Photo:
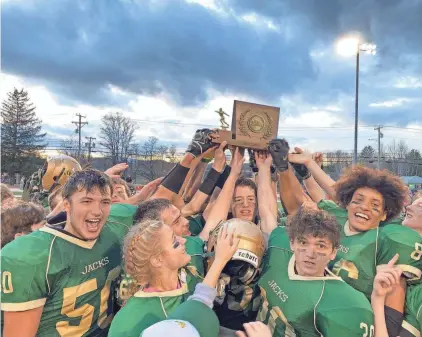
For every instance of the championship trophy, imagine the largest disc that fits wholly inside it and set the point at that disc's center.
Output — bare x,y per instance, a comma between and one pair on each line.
253,125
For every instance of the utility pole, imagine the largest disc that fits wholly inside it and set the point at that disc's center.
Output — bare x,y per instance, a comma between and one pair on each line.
355,148
90,145
380,135
79,124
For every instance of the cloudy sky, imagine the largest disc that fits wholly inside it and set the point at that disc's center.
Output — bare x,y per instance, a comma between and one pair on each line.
169,64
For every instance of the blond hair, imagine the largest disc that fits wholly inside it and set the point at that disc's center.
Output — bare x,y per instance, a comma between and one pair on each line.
142,243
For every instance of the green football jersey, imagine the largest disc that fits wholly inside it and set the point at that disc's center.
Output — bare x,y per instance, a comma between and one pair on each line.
122,213
196,224
294,305
144,309
412,322
360,253
71,279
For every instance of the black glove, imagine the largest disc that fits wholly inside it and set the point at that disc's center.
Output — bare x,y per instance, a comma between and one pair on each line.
201,142
252,161
279,149
301,170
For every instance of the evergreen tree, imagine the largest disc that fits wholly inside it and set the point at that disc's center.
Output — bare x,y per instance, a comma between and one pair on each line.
21,137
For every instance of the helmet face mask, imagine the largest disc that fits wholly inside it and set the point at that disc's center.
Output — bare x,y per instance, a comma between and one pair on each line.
248,257
57,170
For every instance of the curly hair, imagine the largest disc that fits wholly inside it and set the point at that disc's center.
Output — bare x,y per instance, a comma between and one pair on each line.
388,185
313,222
19,219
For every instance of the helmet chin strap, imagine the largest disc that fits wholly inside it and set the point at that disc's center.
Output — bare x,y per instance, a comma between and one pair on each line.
53,186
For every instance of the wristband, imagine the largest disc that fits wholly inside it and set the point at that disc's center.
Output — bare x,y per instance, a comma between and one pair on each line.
206,160
223,177
307,176
174,180
209,182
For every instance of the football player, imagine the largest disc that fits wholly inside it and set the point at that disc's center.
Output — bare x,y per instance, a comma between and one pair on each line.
238,298
368,197
167,272
412,323
57,281
22,219
300,295
55,172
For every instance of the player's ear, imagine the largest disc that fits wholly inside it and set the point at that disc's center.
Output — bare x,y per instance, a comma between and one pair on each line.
384,216
156,261
292,245
66,205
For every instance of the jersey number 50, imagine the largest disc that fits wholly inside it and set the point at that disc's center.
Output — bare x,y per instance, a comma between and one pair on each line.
85,311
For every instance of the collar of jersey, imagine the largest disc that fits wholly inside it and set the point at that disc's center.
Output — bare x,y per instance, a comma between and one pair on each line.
295,277
171,293
69,238
348,231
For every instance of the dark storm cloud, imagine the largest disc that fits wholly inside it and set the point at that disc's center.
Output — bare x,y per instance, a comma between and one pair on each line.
395,26
179,49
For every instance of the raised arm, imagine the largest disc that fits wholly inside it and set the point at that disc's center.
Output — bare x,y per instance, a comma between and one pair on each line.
323,180
175,182
267,203
207,187
222,205
291,192
386,280
195,181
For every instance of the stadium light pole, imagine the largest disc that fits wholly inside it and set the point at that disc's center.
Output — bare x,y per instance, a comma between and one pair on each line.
349,46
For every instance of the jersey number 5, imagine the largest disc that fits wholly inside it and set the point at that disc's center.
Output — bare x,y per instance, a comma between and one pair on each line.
85,311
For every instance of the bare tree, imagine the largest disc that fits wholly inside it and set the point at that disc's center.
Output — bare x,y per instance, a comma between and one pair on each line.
172,154
117,134
151,157
396,154
70,147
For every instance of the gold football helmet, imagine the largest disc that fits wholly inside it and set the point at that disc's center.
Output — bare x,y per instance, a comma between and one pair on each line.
57,170
247,260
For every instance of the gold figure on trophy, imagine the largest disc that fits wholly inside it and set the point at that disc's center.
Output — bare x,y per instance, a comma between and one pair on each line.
224,125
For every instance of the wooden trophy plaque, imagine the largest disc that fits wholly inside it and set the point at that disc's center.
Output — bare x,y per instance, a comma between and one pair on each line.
253,125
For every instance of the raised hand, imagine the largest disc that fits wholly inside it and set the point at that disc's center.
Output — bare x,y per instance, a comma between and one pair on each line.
201,141
263,160
279,149
116,170
220,157
237,162
386,278
300,156
226,246
318,157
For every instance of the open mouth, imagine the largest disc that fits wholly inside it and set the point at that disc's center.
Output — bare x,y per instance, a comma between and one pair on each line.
92,224
362,216
309,264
